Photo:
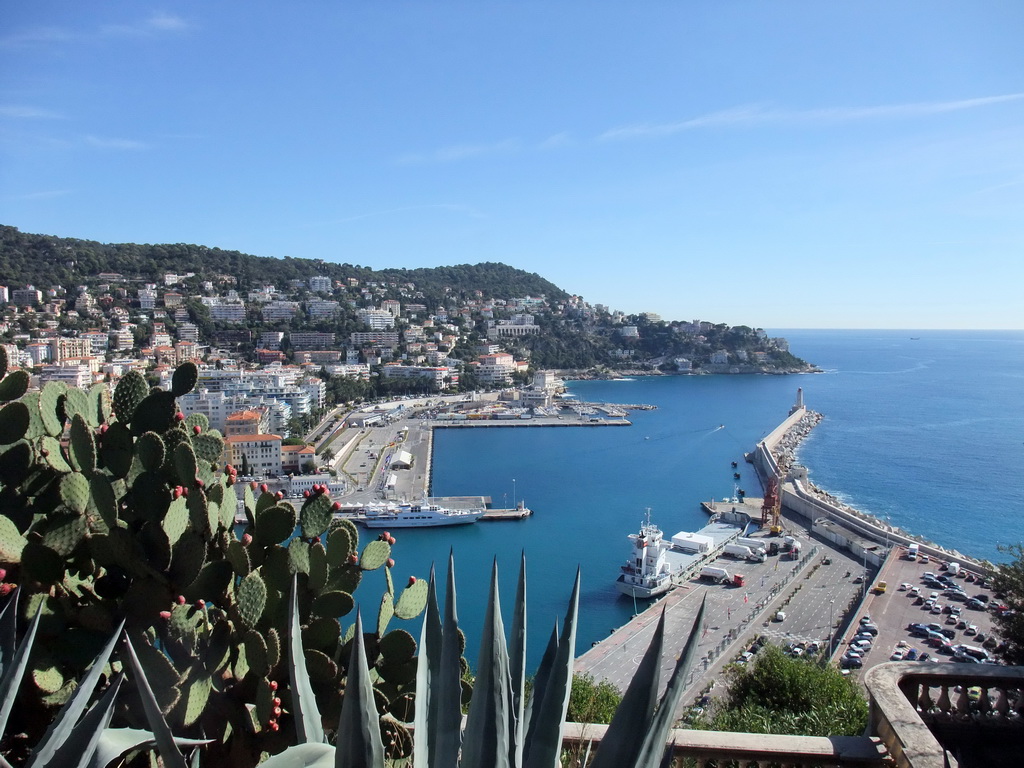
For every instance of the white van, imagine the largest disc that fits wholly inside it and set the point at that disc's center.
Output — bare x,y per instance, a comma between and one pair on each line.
953,569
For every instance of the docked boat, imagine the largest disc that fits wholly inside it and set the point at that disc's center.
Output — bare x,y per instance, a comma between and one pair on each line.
417,515
647,573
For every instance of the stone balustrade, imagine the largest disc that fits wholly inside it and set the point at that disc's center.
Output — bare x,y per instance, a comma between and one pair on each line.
718,748
947,714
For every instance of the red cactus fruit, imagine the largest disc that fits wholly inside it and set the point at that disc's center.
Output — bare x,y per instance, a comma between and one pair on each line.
200,604
391,540
277,702
279,494
336,506
165,614
412,580
181,599
179,416
273,725
390,563
3,574
246,539
273,685
196,429
353,559
264,488
305,494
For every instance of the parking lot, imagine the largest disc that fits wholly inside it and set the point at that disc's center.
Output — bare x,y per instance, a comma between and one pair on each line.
908,600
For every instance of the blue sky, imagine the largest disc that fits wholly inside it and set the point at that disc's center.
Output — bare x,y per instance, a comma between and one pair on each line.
782,165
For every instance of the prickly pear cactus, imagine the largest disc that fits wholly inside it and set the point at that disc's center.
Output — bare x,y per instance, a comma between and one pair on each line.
117,506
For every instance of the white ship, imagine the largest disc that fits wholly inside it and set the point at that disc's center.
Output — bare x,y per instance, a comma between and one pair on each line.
647,573
417,515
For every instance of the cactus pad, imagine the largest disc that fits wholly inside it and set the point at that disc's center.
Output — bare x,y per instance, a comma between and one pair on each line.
274,523
14,385
195,693
333,604
387,610
99,405
185,464
273,647
187,558
150,449
412,601
256,652
298,556
41,563
129,392
320,667
175,520
375,554
322,634
14,421
104,500
251,598
208,446
76,402
11,541
318,568
184,379
116,450
397,646
82,446
154,414
238,556
316,515
339,546
51,409
75,492
49,449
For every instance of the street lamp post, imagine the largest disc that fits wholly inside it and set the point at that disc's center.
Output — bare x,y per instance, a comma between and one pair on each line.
513,493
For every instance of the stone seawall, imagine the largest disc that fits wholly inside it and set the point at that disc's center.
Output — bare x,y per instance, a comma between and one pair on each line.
774,456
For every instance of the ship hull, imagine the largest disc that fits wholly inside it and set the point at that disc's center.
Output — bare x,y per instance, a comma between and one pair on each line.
397,521
641,592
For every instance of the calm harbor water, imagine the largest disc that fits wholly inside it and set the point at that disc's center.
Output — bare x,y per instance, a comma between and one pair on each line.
925,431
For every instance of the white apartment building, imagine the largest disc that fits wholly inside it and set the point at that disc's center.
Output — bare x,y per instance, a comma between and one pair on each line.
320,283
496,368
440,377
374,338
376,319
262,453
319,309
279,310
394,308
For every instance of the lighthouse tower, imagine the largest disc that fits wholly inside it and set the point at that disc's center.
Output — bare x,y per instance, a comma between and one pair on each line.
799,405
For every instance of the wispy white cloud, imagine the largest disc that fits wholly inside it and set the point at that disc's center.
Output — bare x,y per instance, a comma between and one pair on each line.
460,152
48,194
24,112
106,142
557,140
754,114
155,24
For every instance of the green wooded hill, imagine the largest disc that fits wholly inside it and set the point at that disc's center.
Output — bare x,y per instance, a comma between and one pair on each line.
45,260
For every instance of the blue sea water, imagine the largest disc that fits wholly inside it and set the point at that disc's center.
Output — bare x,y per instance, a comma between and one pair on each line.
925,431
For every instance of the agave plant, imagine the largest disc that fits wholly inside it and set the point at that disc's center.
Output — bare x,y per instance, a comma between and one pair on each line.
79,737
503,729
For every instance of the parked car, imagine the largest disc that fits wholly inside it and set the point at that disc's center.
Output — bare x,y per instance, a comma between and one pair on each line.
910,655
897,655
976,605
851,663
972,629
871,629
904,586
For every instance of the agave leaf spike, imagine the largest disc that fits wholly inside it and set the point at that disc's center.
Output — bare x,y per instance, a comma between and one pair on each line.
12,674
77,750
625,736
517,669
169,753
114,743
4,763
657,732
486,740
303,756
358,744
428,670
448,739
61,729
548,723
308,726
8,631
